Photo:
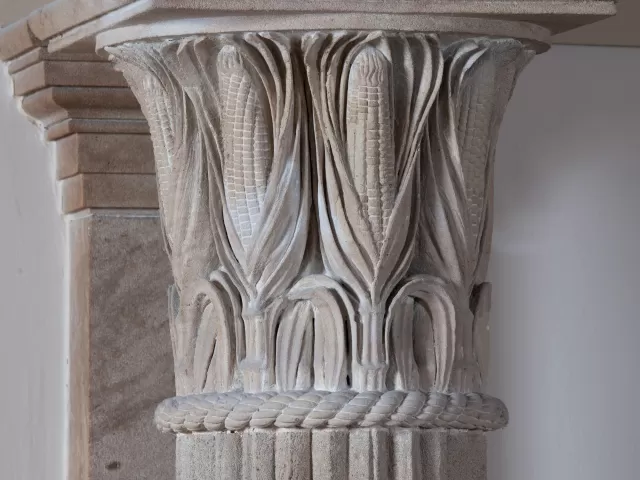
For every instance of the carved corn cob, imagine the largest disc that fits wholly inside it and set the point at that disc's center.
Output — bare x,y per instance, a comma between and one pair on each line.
370,139
247,148
474,131
161,128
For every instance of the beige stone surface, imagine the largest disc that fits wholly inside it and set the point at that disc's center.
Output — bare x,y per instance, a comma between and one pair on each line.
16,39
70,126
79,350
98,190
104,153
82,19
61,15
330,453
359,454
41,54
51,20
176,24
72,92
620,30
66,74
557,14
55,104
83,35
291,459
120,353
11,11
466,456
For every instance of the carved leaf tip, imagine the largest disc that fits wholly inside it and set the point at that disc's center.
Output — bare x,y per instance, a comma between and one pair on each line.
370,67
229,60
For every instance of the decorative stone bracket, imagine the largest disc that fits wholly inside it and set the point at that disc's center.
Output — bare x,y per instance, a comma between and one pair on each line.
325,176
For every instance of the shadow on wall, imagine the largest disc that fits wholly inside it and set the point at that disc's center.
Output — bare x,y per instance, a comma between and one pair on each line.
565,269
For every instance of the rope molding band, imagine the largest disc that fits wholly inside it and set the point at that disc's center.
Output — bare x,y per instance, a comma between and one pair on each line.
236,411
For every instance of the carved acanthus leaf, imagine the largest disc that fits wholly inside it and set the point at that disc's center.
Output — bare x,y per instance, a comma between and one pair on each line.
203,331
331,305
437,298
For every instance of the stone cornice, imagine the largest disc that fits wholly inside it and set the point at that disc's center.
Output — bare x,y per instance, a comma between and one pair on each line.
67,23
83,105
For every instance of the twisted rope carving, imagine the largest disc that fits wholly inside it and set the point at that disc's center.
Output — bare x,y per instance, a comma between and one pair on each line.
315,409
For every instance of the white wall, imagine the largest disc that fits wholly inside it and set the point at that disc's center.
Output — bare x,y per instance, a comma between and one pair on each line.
566,270
32,339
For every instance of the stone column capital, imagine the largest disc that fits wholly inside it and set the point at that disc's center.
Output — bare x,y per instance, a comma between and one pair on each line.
326,198
325,181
